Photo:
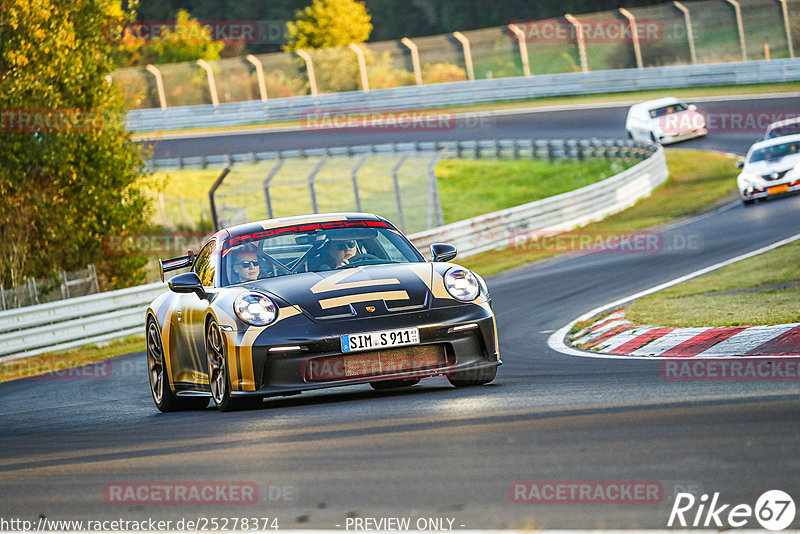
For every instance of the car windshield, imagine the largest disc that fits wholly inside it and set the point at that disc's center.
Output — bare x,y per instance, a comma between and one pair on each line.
289,252
667,110
784,129
775,152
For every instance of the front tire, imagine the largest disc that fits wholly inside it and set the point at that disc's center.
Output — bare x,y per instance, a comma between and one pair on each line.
218,376
163,396
473,377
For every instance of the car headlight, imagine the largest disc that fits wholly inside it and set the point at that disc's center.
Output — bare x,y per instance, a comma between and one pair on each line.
746,178
461,284
255,309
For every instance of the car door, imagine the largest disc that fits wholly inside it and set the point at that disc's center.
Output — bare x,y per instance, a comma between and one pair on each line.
190,317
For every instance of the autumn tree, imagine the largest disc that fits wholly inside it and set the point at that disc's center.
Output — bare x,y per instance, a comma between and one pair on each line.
186,40
329,23
69,168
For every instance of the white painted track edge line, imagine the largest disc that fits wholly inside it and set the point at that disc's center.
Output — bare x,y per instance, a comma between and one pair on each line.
556,341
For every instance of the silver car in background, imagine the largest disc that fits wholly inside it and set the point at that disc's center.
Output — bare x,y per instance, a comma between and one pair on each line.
771,168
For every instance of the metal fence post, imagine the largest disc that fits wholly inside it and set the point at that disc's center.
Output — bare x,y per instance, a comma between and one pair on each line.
787,28
212,86
523,48
214,216
468,54
162,98
311,178
395,171
312,80
66,284
414,58
270,176
581,43
637,51
740,26
435,216
354,178
93,274
262,84
687,19
32,290
3,296
362,66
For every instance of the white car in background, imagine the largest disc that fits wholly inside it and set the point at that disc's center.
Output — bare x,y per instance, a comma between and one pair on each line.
784,127
666,120
771,167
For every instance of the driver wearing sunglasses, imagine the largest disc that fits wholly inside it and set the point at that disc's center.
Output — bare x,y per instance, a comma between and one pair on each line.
336,254
245,263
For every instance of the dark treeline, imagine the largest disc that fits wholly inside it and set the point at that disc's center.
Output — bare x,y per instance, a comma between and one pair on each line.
392,19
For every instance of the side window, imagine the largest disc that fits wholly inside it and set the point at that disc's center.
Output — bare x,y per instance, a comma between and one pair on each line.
205,265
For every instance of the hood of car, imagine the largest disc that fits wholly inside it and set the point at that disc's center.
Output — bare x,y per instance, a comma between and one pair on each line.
767,167
367,291
680,122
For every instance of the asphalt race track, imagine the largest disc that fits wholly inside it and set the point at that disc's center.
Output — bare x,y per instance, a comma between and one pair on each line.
433,451
603,123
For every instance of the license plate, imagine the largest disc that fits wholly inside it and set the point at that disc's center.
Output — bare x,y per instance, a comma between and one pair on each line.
778,189
379,340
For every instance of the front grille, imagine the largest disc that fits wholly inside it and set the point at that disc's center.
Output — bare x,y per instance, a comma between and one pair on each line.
774,175
377,363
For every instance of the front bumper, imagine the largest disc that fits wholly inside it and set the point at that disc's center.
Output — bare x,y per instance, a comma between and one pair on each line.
667,139
774,190
281,359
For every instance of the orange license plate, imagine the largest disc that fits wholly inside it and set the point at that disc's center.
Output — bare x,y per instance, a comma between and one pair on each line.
778,189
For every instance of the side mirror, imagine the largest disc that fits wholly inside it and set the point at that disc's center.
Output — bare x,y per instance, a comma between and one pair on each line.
692,107
443,252
187,283
739,164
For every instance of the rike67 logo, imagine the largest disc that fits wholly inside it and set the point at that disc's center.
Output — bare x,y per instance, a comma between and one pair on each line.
774,510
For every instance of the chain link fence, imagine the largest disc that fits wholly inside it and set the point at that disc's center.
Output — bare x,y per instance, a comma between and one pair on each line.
676,33
396,180
39,290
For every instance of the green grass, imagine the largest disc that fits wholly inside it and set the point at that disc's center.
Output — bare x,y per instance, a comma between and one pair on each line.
697,179
55,362
474,187
624,96
698,302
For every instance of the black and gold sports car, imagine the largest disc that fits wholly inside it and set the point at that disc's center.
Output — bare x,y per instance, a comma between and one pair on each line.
280,306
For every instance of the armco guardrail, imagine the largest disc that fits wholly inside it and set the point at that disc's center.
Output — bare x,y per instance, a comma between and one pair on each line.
472,92
559,213
74,322
114,314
